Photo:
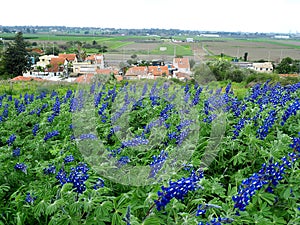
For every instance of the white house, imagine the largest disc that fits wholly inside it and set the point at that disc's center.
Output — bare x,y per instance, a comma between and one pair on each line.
265,67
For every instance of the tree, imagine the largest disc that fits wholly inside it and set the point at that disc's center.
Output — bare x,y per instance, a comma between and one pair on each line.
245,56
192,63
287,65
16,58
219,69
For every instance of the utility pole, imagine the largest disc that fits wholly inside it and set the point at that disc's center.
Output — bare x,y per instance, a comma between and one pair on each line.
174,51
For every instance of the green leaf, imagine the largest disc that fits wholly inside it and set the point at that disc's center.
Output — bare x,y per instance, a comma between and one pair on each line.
152,221
116,219
268,197
287,193
40,208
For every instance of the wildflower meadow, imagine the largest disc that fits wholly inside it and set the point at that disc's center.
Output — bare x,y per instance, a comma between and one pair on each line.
150,153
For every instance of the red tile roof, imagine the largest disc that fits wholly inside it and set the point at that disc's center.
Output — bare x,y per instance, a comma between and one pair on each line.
56,65
84,78
69,57
97,58
107,71
183,75
182,62
37,50
158,70
21,78
137,70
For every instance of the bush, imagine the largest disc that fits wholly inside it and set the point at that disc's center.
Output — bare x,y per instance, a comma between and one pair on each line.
262,77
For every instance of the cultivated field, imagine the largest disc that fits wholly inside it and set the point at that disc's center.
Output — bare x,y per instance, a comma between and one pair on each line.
121,48
257,49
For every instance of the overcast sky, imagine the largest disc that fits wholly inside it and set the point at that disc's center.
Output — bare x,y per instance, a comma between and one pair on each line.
212,15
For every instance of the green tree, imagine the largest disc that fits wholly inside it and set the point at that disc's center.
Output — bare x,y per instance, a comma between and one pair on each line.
286,66
192,63
245,56
16,58
219,69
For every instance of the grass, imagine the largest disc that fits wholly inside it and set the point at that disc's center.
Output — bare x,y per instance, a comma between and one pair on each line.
184,50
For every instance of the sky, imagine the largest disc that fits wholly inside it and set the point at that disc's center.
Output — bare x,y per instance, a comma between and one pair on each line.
279,16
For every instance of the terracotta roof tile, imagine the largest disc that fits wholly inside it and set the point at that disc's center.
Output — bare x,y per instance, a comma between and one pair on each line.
56,64
137,70
84,78
69,57
21,78
182,62
107,71
158,70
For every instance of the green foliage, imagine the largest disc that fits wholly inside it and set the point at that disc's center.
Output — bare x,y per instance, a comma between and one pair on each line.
16,58
236,159
288,66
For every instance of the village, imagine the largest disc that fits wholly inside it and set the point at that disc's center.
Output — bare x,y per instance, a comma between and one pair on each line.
67,67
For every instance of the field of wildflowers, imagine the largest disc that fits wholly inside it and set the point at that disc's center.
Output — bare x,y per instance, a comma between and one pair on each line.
150,153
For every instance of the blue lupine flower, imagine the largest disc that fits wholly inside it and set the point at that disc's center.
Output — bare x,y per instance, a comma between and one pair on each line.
11,139
5,111
99,184
201,210
135,142
35,129
263,130
78,176
51,134
112,131
97,99
157,163
291,110
196,98
183,124
178,189
172,135
88,136
270,174
21,166
69,158
240,125
73,104
228,87
123,161
16,152
62,176
217,221
103,107
29,198
56,107
51,118
51,169
127,216
21,108
181,137
158,122
53,94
